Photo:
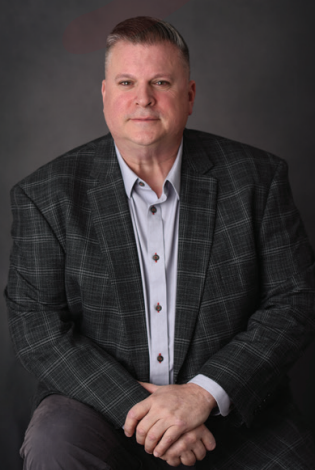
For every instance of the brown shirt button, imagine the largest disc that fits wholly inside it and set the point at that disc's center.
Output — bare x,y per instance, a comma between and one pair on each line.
160,358
158,307
141,183
156,258
153,209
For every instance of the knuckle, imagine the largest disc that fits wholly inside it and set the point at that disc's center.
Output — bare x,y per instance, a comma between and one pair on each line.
130,414
181,423
169,439
188,459
152,437
140,431
173,462
171,454
182,447
190,439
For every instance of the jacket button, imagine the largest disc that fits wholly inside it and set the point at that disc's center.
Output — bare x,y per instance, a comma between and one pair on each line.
160,358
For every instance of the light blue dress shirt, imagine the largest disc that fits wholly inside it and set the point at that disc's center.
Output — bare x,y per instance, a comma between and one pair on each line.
155,223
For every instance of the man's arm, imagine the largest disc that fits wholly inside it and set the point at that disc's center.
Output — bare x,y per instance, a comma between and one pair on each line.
44,333
252,366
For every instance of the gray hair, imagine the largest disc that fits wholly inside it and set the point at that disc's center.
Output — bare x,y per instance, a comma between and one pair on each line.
147,30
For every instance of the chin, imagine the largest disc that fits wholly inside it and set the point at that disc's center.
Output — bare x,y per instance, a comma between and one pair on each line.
144,140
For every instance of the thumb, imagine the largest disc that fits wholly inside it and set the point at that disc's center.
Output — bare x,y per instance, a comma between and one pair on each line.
149,387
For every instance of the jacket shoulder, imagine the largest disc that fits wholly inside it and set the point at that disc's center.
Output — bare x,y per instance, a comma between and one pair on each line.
74,165
235,160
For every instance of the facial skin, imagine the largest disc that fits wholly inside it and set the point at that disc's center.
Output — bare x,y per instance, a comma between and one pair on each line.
147,97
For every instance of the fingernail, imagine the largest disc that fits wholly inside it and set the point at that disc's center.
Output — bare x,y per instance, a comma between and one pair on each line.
156,454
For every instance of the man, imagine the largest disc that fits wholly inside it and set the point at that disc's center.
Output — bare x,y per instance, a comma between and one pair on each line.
161,285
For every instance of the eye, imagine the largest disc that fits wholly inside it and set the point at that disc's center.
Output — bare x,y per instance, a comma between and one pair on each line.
125,82
162,83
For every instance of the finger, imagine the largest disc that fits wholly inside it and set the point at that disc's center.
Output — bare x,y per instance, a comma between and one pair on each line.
154,428
154,434
168,437
175,457
149,387
188,458
135,414
189,442
147,432
199,450
173,461
208,440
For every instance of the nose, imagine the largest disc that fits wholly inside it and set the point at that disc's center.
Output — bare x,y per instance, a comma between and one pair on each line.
144,96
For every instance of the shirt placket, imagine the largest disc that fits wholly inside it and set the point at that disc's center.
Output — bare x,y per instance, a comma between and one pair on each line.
159,360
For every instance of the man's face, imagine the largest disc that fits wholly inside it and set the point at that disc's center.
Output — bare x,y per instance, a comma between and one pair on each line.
147,96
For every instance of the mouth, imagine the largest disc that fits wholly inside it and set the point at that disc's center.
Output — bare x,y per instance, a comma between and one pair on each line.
144,119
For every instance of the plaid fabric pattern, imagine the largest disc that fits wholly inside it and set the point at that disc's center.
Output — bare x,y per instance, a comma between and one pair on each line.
245,295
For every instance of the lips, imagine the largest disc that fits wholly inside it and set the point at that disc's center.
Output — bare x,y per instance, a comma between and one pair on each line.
144,118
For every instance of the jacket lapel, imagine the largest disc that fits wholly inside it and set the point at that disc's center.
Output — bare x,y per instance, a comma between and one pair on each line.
112,221
198,199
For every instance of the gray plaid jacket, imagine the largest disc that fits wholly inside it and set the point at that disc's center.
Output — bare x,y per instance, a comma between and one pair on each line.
245,294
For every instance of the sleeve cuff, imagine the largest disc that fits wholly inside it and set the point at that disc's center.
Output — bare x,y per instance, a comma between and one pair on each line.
221,397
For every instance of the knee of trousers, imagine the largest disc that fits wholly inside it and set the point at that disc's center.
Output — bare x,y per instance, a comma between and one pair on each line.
63,434
46,442
66,434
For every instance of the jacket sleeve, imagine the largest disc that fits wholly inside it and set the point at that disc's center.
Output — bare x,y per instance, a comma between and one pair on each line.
253,364
46,342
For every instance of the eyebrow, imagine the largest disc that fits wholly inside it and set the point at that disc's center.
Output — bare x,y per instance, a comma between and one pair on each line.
158,75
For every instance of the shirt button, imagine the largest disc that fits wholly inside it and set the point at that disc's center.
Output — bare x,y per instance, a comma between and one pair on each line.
153,209
141,183
158,307
160,358
156,258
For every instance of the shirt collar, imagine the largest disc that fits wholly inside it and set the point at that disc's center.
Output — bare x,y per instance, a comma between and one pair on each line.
130,178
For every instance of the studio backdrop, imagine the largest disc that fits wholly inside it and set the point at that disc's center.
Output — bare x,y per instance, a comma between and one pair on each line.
253,62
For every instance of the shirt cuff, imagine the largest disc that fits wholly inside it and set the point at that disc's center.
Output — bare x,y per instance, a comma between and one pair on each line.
221,397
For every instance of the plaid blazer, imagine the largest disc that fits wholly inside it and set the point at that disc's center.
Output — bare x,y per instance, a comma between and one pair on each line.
245,293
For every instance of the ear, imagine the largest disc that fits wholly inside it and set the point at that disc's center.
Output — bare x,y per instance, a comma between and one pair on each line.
191,96
103,88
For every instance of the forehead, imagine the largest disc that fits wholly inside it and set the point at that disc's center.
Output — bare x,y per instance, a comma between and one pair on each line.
126,55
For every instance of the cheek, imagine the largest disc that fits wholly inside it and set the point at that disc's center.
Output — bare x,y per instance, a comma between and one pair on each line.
120,106
113,109
173,107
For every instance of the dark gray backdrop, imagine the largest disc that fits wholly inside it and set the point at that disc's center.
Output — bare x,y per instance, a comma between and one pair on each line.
253,61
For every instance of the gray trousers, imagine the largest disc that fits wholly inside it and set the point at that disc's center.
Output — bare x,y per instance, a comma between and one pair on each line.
65,434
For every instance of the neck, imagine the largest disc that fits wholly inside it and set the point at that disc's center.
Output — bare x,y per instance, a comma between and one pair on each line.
151,166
